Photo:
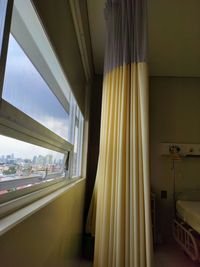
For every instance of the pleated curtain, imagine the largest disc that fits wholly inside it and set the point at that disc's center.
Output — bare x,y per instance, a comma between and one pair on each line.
119,215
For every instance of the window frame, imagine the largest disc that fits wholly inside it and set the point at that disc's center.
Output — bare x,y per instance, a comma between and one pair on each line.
19,198
80,140
3,8
16,124
5,19
28,31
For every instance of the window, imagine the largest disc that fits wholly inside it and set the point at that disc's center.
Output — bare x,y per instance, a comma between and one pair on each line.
25,89
41,125
23,164
77,155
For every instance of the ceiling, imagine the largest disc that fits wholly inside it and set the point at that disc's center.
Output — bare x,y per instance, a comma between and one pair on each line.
174,36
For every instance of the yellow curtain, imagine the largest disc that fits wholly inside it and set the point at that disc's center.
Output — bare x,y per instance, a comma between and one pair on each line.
121,199
119,215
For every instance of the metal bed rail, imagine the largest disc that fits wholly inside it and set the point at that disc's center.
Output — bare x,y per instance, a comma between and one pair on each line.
185,236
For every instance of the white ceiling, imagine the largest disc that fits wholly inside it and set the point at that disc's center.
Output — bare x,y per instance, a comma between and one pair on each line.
174,36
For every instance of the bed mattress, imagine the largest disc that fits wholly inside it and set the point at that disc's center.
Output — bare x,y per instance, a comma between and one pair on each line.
189,211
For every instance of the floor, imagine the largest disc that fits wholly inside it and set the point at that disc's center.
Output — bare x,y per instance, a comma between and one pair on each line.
168,255
86,263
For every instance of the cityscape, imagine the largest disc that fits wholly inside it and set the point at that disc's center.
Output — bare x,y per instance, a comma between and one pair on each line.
17,167
23,165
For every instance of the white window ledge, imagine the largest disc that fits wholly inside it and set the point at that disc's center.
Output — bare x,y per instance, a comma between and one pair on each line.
18,216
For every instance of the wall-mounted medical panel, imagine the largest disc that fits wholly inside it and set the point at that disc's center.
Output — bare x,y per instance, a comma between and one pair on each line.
182,149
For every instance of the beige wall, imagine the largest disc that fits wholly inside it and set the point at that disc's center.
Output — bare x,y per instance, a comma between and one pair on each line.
174,38
174,117
50,237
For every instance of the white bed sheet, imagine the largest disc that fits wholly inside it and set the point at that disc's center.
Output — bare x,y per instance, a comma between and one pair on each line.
189,211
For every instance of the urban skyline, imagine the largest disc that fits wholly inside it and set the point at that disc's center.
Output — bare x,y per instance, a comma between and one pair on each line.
37,159
12,167
20,149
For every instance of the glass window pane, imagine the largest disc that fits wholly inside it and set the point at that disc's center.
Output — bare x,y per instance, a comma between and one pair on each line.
25,89
75,154
19,160
78,140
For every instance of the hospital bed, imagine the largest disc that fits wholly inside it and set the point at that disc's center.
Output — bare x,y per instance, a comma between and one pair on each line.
186,225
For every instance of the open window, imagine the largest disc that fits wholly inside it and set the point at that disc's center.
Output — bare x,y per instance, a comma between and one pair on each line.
41,125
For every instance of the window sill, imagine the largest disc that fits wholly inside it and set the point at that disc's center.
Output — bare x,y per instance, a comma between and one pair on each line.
18,216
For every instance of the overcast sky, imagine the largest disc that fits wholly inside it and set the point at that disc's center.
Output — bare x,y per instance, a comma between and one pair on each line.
23,150
25,89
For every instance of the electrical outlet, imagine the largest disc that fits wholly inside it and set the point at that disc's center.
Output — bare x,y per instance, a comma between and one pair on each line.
163,194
